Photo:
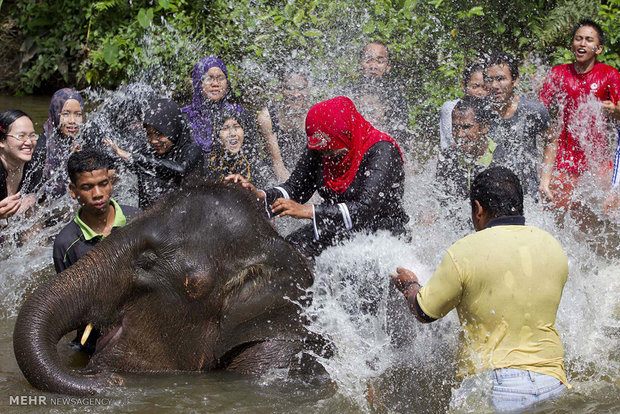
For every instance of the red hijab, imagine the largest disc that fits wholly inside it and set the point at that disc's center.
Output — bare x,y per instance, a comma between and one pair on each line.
336,124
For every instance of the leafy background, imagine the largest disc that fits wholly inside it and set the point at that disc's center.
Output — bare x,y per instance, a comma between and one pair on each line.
48,44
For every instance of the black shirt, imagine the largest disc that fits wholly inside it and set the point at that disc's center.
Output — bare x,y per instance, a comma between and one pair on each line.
71,243
372,202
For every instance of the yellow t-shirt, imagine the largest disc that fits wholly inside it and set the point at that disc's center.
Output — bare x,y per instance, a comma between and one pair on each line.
506,284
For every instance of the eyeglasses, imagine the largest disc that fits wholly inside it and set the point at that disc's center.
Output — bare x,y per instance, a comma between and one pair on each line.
216,79
23,137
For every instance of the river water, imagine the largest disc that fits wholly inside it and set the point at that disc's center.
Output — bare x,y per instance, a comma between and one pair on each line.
378,345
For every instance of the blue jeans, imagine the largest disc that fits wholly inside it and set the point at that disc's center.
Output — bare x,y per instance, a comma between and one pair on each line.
515,389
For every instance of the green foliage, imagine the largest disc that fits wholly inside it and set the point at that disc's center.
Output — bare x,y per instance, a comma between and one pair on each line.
106,42
609,18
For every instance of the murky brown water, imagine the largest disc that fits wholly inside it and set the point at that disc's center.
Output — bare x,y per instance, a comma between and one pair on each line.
35,106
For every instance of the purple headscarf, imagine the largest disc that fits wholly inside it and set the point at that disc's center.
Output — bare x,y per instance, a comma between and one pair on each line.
58,101
202,111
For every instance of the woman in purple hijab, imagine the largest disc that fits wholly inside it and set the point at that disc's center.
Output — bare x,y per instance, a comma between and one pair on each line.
211,91
61,131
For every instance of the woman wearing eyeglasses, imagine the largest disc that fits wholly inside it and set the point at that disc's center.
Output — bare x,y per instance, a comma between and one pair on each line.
22,158
210,97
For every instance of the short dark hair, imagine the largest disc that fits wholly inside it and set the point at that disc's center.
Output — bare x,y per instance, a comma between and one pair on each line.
86,161
470,69
590,23
499,192
504,58
478,105
7,118
376,42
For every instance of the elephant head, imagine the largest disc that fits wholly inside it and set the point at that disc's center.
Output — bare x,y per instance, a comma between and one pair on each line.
201,281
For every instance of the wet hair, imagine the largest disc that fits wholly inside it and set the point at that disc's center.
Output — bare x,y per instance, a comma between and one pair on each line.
470,69
590,23
376,42
7,118
504,58
478,105
499,192
86,161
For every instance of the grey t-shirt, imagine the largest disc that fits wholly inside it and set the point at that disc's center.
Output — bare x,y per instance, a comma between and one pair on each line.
517,139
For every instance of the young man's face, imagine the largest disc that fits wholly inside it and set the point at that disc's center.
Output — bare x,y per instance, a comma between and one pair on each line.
586,44
475,86
499,84
295,89
375,61
92,190
469,135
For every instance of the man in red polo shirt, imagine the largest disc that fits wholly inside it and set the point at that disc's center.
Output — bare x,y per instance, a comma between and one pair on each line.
585,94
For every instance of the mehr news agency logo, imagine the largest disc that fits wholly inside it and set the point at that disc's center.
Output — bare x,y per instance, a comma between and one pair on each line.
28,400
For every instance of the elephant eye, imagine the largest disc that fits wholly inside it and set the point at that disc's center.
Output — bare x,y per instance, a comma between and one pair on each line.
146,260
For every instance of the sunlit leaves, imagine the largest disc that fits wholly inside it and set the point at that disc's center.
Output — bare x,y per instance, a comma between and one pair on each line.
145,17
110,53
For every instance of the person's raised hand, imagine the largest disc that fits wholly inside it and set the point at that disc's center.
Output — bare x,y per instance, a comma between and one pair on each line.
240,180
610,108
544,193
286,207
403,277
612,203
117,150
10,205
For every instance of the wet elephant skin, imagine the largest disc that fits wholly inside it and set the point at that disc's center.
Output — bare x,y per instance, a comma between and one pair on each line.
200,282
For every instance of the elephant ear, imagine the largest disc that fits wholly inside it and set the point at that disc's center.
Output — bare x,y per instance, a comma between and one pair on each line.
264,306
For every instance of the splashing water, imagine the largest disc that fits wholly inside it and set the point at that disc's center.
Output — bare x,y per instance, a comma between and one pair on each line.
381,350
381,354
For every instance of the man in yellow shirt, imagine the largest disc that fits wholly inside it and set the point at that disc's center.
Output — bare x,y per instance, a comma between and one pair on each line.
506,282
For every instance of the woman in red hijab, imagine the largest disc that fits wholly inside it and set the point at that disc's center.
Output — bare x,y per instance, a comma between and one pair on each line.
356,169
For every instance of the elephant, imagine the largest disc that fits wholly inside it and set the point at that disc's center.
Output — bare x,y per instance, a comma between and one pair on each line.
201,281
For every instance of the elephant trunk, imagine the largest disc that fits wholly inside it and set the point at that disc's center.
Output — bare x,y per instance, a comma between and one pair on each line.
65,303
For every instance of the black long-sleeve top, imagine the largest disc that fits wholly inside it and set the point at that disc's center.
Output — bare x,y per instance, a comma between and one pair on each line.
372,202
160,174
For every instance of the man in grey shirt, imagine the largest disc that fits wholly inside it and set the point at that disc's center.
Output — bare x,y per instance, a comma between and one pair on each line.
517,124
